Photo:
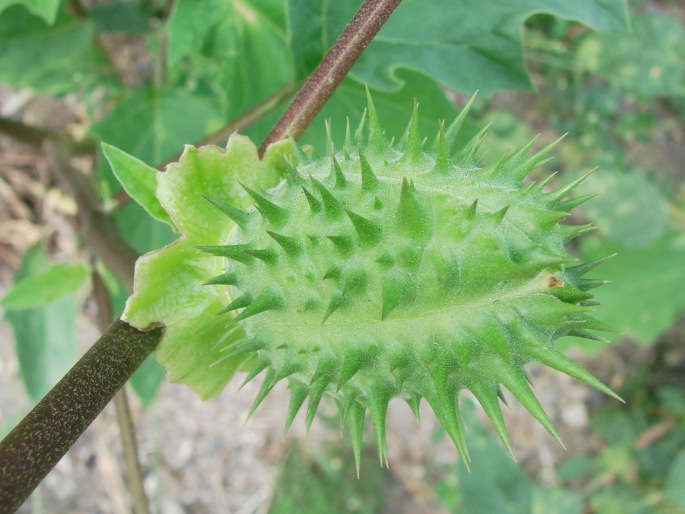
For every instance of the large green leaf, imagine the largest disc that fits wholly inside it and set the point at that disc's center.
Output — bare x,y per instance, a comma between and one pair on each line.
234,52
45,337
154,125
46,9
274,10
50,59
313,26
467,45
646,293
629,208
214,26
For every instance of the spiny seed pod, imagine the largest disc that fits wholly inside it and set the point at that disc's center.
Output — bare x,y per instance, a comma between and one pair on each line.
388,271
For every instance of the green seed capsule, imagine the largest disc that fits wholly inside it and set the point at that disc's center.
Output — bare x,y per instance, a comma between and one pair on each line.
385,271
423,260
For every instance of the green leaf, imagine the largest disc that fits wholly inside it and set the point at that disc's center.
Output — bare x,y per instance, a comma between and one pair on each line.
154,126
672,399
142,231
46,343
620,430
675,480
313,26
557,500
138,179
50,59
468,45
646,294
235,53
629,208
41,289
325,483
45,337
495,483
273,10
618,499
194,23
46,9
574,468
649,70
119,16
147,379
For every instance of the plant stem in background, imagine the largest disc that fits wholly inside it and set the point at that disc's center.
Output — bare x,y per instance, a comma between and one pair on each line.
331,71
129,445
97,226
36,136
127,433
42,438
78,9
33,136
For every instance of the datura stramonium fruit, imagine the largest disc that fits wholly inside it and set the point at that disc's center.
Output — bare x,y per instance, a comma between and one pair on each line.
379,271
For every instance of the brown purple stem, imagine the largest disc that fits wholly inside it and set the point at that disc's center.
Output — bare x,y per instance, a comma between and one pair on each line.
331,71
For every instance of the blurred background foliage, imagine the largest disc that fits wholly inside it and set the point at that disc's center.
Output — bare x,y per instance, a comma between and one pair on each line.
149,76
